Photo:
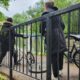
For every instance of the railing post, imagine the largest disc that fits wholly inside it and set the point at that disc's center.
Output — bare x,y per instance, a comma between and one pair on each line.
79,33
49,45
10,49
68,66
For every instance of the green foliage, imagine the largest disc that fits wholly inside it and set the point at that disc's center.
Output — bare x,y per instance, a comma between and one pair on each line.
4,3
36,11
2,77
2,16
74,22
65,3
61,4
31,13
19,18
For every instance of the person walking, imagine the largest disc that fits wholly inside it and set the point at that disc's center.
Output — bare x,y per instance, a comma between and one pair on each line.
4,39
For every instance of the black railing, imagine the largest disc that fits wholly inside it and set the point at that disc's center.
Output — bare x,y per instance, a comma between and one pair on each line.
34,60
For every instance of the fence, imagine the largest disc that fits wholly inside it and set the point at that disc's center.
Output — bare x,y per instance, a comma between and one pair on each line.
34,58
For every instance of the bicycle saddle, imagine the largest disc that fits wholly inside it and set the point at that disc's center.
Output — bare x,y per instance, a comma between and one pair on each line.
75,36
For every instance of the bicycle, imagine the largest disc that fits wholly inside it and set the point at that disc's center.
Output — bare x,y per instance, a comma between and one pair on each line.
24,54
74,56
28,56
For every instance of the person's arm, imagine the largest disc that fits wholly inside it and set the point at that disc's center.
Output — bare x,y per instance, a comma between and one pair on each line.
42,28
62,24
19,35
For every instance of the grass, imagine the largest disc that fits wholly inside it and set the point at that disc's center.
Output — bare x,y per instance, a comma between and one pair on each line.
3,77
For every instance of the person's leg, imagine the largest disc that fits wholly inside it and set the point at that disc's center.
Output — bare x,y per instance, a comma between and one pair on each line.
2,56
45,45
61,55
54,65
15,56
3,52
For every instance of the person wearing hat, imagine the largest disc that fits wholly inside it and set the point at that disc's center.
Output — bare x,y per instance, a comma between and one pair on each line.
5,40
58,40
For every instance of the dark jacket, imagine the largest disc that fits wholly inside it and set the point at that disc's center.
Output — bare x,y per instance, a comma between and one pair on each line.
58,40
42,25
5,34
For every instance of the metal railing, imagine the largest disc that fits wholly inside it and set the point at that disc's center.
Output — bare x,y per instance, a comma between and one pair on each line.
34,60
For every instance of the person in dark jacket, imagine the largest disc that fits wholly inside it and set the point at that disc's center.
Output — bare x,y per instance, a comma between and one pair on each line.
5,40
58,40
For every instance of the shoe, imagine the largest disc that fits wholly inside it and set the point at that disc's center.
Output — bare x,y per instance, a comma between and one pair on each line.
60,72
60,77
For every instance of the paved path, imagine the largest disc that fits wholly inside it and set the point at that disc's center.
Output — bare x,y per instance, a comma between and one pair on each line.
73,73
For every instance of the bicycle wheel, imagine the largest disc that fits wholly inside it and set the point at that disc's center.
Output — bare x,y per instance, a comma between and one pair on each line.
76,58
30,58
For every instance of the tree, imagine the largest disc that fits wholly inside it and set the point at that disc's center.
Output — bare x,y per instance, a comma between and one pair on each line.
19,18
36,11
74,15
4,3
2,16
65,3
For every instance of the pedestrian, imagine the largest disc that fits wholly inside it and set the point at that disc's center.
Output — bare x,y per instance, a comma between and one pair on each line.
58,40
4,39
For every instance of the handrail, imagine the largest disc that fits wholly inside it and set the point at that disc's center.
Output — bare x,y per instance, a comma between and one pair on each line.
58,12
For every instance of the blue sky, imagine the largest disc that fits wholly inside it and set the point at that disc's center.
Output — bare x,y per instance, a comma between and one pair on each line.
18,6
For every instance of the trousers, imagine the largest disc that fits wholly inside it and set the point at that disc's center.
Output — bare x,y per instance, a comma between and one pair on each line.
4,49
57,63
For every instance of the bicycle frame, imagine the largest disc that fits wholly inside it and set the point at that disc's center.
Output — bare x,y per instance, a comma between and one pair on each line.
71,51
